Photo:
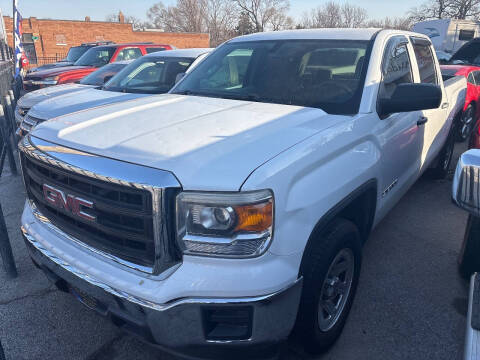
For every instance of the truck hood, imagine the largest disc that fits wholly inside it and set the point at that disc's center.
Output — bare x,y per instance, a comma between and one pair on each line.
32,98
78,101
208,143
55,71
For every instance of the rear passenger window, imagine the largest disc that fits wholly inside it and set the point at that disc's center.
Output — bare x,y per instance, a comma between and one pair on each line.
476,76
471,79
129,54
426,63
154,49
396,67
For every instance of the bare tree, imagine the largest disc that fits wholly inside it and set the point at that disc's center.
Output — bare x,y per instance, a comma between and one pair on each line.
137,23
440,9
280,21
332,15
399,23
220,21
261,12
185,16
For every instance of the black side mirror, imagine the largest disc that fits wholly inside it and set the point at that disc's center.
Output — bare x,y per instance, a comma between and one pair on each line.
107,78
411,97
179,77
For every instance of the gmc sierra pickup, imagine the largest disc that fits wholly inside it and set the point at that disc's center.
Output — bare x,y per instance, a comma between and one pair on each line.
231,212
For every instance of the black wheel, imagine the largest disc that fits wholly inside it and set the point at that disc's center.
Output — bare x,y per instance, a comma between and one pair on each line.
330,269
465,124
444,158
469,258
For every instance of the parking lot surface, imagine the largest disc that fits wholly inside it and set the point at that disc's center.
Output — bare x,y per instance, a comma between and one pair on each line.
410,303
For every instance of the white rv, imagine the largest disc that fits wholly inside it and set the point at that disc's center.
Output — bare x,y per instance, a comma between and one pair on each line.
448,34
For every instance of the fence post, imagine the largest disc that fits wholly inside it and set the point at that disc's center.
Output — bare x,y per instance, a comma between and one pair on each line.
10,112
13,99
6,141
6,249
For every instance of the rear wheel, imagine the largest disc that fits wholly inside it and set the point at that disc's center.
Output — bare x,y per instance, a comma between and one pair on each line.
466,123
444,158
331,270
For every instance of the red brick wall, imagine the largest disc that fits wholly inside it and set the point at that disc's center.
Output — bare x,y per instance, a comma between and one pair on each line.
77,32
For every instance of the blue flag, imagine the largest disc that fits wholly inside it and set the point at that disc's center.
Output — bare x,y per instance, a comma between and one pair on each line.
17,22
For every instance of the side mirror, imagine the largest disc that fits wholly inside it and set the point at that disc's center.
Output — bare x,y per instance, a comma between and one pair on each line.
107,78
179,77
466,182
411,97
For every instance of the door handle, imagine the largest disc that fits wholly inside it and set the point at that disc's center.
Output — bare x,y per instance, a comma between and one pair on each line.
422,120
445,105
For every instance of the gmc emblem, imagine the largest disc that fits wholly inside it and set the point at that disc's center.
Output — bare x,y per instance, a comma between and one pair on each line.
70,203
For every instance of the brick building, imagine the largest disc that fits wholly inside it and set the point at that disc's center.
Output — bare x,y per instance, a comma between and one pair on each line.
44,38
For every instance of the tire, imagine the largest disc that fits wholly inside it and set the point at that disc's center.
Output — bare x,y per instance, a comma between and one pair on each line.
466,123
338,245
469,257
444,159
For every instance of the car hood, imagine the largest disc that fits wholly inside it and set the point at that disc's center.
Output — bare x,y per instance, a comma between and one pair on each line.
209,144
52,65
55,71
32,98
77,101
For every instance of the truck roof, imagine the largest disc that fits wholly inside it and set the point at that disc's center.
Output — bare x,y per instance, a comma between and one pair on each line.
327,34
194,52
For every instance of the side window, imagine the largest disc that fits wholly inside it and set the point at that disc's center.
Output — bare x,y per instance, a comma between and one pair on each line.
396,67
476,77
471,79
426,62
128,54
231,72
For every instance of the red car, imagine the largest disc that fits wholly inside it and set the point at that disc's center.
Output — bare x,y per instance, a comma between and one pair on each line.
471,109
89,62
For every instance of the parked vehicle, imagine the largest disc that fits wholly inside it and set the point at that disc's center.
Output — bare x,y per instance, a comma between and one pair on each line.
471,110
443,57
91,60
220,216
154,73
95,79
73,55
448,34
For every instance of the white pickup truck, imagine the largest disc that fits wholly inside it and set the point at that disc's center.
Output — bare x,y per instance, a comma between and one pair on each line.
227,214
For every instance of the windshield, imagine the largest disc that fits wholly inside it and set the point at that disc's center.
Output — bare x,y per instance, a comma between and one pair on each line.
326,74
149,75
75,52
97,78
96,56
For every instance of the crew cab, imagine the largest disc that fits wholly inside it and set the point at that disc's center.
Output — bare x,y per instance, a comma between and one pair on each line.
154,73
94,79
90,61
219,218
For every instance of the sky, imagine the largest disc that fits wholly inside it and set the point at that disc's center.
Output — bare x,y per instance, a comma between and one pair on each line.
98,9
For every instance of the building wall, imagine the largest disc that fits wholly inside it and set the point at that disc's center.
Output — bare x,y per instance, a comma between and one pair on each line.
55,37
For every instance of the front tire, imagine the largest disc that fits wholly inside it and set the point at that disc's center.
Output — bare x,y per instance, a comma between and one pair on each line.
330,269
469,257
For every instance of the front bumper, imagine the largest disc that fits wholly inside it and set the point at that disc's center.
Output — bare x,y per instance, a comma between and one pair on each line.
199,327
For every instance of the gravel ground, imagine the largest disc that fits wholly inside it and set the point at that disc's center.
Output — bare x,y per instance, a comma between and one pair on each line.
410,304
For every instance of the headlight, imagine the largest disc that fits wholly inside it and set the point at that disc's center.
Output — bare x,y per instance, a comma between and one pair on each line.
225,224
47,81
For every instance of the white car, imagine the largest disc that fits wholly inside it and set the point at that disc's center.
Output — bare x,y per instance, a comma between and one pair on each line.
95,79
154,73
217,218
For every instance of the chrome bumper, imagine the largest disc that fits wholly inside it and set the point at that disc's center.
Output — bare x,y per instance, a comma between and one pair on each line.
177,326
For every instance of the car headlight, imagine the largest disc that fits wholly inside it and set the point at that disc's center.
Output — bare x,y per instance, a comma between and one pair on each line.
235,225
47,81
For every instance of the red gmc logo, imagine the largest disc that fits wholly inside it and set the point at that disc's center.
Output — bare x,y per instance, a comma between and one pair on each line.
70,203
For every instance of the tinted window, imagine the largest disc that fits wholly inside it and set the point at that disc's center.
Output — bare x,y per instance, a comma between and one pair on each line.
325,74
476,76
97,78
396,67
149,75
75,52
128,54
426,63
96,56
154,49
466,35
